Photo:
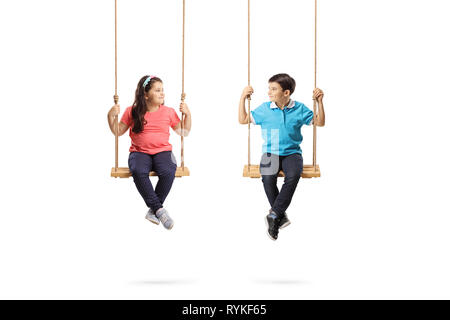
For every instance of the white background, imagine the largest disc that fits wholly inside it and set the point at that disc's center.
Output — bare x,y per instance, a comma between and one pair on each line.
375,225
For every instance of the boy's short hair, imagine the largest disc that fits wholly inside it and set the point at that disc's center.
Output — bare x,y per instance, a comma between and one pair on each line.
285,81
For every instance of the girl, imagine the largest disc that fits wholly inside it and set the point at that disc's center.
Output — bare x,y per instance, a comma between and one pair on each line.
149,121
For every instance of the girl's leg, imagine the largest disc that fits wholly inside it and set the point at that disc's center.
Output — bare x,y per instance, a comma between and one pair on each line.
140,165
292,167
164,164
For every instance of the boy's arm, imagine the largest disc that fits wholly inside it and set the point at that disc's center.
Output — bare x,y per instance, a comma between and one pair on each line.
243,116
320,115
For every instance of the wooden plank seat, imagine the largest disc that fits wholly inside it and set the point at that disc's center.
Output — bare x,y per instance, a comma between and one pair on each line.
308,171
124,172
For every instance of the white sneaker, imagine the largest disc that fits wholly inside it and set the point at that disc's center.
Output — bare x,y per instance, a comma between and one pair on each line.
163,216
150,216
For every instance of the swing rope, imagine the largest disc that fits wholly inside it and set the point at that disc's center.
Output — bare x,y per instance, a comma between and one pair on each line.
315,86
120,172
309,171
116,97
183,95
248,97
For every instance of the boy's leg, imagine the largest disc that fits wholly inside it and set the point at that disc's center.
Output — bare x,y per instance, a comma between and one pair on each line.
269,168
292,166
140,165
164,164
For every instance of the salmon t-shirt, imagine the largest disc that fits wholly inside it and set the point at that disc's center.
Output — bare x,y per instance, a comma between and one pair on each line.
154,138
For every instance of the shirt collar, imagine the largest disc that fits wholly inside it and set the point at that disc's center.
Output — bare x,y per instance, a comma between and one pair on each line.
291,104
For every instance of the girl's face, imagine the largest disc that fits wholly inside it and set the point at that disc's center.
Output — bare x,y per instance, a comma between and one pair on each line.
156,94
276,93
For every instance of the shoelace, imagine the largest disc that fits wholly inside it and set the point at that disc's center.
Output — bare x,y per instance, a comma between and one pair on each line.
275,225
164,218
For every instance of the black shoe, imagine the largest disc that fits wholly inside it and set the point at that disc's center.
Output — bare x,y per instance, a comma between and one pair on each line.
284,221
273,223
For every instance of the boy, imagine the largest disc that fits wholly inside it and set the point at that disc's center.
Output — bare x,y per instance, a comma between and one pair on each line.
281,120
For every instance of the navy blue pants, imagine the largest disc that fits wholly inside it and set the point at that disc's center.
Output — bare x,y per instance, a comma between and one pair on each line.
292,166
164,164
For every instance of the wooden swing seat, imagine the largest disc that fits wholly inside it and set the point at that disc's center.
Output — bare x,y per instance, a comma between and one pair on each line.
308,171
124,172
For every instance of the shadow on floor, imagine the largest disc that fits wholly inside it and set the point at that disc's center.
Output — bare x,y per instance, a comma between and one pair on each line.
162,282
282,282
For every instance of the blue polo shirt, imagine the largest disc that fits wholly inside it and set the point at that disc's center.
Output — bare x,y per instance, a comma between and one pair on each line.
281,129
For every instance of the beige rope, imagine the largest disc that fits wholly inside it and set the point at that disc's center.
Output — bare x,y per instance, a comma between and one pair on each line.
248,97
116,97
183,95
315,86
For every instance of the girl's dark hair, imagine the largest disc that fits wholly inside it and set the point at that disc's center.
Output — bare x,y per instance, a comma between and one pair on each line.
140,106
285,81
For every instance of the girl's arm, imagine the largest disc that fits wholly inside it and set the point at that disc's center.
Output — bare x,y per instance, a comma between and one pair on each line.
187,121
115,110
243,116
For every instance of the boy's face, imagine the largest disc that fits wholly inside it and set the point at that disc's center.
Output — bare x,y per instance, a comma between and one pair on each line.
276,93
